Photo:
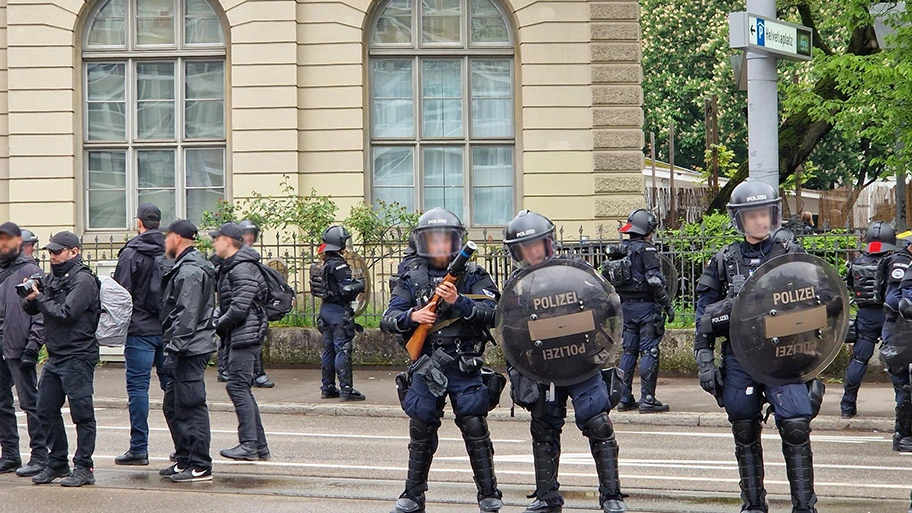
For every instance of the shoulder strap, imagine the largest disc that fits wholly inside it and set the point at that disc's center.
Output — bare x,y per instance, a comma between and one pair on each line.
10,270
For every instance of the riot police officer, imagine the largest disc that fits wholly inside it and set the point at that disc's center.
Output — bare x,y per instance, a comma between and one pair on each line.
251,234
755,212
451,360
866,279
337,288
529,239
633,268
899,286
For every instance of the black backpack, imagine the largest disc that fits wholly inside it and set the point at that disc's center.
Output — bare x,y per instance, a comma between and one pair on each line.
160,267
320,282
280,297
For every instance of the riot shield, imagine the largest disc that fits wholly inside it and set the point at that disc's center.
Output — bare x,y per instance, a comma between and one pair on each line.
896,351
670,274
360,272
560,322
790,319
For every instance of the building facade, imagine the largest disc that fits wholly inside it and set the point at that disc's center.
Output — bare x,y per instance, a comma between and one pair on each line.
482,106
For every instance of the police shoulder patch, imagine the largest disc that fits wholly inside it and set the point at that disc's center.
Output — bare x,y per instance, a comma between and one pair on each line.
651,248
489,293
897,274
343,266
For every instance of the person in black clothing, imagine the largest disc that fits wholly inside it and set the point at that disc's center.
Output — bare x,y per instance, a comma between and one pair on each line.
70,304
22,338
251,233
337,319
188,335
867,279
136,271
634,270
242,324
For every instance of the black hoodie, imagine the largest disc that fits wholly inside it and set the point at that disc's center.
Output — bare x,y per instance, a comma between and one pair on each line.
135,264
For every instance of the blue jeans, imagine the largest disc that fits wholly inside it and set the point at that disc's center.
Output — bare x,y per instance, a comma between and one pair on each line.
140,353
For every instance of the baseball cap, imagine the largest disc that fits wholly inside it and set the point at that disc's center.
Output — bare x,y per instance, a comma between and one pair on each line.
63,240
230,230
148,212
10,228
184,228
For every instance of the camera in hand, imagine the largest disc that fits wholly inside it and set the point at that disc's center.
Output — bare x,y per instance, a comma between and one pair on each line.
25,288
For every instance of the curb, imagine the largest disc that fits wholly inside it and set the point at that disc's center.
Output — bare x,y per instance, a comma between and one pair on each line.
673,419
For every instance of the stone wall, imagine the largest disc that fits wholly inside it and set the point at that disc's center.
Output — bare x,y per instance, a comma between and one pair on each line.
302,346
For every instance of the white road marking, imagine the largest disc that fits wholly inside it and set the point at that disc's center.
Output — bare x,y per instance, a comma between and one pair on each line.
467,470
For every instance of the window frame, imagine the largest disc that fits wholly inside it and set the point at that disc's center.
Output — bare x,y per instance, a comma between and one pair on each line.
131,55
466,52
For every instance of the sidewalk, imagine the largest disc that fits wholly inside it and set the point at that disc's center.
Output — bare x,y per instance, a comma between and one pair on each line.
298,391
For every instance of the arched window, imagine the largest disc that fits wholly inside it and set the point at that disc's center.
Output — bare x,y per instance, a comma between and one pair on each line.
442,108
154,110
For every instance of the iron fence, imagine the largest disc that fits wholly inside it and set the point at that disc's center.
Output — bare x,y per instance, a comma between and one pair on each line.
378,260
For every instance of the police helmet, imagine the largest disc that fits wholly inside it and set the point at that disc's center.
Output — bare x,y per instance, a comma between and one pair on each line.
335,238
754,196
881,238
526,228
435,225
248,226
29,237
640,222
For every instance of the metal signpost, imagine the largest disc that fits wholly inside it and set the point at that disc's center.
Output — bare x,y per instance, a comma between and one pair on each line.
765,39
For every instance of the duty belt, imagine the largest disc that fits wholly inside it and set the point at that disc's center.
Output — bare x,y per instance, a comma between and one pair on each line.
636,300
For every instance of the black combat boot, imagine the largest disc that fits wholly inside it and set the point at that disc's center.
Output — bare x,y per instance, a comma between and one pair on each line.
902,438
604,449
546,456
481,457
749,454
648,382
422,446
799,463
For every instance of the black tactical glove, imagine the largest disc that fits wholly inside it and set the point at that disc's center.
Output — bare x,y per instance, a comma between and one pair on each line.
710,375
905,309
669,312
169,364
29,358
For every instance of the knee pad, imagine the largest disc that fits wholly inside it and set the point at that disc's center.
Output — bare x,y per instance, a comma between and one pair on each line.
473,427
422,433
816,389
746,432
599,428
795,432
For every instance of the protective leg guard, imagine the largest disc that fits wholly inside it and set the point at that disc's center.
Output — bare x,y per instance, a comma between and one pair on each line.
649,378
604,449
628,365
481,456
546,450
749,454
422,446
902,438
799,463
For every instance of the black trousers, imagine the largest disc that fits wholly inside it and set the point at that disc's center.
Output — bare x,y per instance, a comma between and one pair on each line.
72,380
240,378
187,414
26,383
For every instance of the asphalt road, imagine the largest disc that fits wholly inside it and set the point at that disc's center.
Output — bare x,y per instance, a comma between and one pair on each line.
348,464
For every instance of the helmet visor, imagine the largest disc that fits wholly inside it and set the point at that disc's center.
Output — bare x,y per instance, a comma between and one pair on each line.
438,242
757,222
532,252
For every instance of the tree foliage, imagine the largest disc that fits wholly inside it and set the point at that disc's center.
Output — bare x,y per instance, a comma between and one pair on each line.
845,110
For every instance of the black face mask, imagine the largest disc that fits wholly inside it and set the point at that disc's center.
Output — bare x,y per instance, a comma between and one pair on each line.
63,268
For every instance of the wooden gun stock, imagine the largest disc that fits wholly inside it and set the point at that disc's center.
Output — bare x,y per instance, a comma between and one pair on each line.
416,342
